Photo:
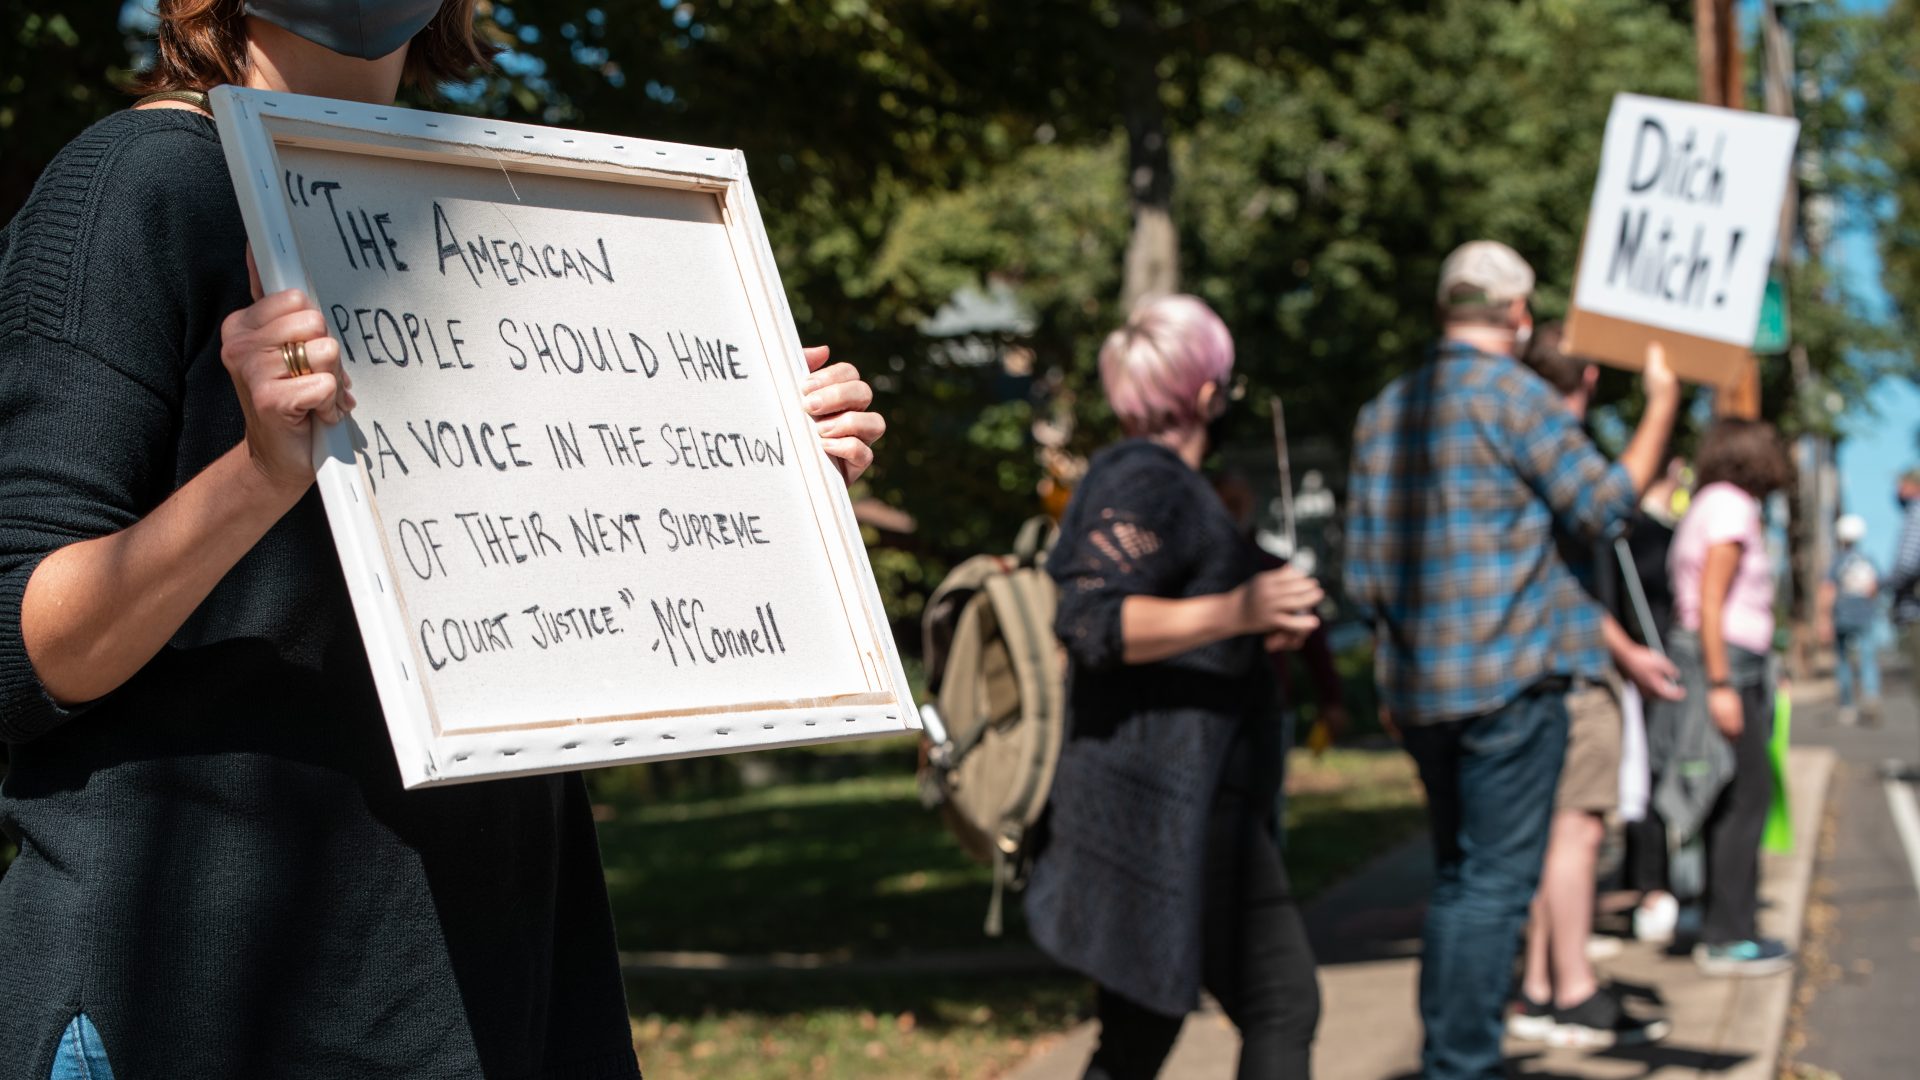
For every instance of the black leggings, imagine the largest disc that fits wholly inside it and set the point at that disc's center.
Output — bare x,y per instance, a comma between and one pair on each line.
1257,963
1737,825
1645,866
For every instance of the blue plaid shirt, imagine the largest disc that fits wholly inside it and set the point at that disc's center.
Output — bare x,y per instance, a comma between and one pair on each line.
1462,472
1906,570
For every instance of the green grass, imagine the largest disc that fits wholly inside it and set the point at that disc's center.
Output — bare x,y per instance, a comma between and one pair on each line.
855,867
846,1027
1346,808
850,865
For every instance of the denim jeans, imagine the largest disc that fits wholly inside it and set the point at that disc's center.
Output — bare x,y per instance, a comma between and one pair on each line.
81,1055
1490,784
1856,650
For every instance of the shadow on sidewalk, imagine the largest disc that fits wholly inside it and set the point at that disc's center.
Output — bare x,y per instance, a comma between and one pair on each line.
1654,1058
1378,913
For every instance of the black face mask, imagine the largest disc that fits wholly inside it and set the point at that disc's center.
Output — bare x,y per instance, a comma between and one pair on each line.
364,29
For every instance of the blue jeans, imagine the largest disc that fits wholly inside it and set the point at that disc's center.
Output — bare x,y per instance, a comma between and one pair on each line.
1490,784
1855,649
81,1055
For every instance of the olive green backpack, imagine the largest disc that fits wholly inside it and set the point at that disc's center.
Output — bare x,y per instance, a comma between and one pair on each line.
997,716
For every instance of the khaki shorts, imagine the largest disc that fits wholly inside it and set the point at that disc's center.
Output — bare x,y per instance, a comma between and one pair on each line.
1590,779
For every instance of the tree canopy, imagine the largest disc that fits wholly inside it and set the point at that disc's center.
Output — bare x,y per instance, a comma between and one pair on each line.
1316,158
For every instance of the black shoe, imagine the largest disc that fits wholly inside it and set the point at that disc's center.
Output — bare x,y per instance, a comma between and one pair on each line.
1600,1022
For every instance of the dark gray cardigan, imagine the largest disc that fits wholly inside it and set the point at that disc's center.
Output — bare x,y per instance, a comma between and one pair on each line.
1116,888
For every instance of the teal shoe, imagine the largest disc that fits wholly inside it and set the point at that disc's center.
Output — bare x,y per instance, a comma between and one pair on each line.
1744,959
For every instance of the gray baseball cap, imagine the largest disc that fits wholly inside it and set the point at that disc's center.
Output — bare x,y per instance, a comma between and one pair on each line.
1484,272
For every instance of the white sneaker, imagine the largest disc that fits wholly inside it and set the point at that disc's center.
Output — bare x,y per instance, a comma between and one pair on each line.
1603,946
1655,919
1530,1021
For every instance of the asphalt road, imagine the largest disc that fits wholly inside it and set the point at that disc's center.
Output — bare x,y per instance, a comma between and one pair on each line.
1861,1019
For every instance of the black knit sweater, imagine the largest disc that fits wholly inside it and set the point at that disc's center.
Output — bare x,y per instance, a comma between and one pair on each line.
217,862
1117,887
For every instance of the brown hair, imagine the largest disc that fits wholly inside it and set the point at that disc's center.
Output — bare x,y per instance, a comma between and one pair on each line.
1546,357
203,43
1745,453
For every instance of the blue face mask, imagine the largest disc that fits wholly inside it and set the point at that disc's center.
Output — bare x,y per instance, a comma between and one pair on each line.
365,29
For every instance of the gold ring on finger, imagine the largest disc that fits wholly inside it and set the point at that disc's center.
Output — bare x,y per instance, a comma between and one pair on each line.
294,355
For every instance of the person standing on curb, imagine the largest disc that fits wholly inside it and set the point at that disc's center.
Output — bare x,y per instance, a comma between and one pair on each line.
1462,470
1905,576
1723,593
1562,1000
1849,608
1656,917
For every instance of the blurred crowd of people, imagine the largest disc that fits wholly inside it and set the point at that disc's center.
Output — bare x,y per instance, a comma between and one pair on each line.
1564,644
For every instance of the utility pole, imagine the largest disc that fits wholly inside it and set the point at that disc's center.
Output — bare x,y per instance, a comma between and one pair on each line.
1810,532
1716,43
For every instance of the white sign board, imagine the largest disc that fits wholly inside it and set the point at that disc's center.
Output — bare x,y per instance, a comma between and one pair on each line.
1682,228
582,513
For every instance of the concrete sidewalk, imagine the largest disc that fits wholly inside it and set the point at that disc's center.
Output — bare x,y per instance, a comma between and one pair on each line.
1367,935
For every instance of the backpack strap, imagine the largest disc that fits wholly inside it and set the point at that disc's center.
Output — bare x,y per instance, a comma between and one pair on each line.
1042,708
1035,539
995,924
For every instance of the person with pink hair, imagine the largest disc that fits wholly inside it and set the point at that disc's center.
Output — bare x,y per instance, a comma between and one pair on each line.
1156,870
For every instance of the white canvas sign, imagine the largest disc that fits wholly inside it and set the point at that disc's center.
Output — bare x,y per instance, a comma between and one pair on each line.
583,514
1685,214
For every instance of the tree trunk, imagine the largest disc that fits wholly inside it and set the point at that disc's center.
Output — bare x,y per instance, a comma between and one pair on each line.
1153,250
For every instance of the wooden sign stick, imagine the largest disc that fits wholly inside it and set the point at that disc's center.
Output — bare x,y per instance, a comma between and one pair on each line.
1286,476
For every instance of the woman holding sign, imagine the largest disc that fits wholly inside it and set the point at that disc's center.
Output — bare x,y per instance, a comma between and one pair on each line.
219,875
1157,872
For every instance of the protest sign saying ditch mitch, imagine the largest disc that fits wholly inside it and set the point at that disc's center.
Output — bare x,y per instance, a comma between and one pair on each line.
1681,235
581,510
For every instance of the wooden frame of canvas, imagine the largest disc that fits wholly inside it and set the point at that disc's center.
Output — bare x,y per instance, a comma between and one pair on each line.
253,124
